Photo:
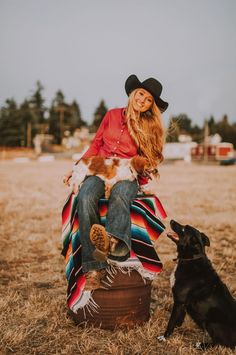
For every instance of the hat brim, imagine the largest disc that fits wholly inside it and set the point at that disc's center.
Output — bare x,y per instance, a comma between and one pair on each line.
133,83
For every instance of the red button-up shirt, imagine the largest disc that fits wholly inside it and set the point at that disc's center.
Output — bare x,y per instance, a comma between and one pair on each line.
112,138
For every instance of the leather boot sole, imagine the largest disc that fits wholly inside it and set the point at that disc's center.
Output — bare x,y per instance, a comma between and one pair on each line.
101,241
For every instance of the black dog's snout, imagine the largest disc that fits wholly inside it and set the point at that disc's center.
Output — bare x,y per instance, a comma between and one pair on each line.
175,224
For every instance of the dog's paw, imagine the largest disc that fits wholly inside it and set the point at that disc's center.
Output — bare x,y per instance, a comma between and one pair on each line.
161,338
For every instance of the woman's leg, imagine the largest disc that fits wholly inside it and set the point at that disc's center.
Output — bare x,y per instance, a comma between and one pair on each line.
91,191
118,223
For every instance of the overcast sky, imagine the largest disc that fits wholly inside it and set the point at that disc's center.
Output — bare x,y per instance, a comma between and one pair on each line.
87,48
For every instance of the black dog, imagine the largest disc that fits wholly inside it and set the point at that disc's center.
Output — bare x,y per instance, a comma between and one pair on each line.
198,290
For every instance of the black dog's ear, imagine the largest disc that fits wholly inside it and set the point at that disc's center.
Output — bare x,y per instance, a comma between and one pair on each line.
205,239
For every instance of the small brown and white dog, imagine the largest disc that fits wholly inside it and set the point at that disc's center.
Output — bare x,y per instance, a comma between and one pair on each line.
111,170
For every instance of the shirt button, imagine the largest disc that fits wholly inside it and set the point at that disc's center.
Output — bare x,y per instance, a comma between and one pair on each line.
115,155
114,148
122,131
118,142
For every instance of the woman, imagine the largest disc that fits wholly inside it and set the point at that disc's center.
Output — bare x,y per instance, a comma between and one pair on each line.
123,133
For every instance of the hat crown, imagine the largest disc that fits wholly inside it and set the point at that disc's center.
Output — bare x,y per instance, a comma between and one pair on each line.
153,85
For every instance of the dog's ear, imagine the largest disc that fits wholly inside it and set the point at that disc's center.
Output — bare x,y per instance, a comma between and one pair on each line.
205,239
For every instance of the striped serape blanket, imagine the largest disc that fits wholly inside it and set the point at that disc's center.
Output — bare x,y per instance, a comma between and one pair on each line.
146,214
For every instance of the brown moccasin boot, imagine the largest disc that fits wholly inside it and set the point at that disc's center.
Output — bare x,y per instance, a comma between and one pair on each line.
103,242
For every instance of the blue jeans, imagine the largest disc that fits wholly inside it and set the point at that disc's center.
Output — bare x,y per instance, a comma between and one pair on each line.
117,220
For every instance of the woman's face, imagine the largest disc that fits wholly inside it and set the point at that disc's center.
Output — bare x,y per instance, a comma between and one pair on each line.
142,100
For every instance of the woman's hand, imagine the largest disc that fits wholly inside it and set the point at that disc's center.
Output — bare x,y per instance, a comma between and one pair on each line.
66,178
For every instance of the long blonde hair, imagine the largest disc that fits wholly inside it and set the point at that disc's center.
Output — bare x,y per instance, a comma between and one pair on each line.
147,131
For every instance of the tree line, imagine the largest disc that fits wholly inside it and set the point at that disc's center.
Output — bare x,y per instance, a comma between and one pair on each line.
182,124
20,123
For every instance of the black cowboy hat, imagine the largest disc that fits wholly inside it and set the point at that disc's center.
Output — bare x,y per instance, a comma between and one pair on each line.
152,85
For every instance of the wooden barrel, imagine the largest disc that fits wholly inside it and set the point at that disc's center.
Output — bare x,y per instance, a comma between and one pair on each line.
125,303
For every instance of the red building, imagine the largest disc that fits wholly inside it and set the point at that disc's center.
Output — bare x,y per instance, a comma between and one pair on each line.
212,152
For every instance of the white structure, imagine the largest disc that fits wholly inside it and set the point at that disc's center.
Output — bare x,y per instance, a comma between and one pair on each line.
184,138
21,160
178,151
79,136
46,158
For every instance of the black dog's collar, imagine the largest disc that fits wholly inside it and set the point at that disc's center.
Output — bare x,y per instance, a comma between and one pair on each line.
197,256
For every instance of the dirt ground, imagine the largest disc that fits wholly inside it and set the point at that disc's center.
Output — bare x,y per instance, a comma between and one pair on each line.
33,313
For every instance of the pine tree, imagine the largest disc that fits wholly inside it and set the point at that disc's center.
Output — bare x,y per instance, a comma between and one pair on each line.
56,118
28,123
64,117
76,120
37,104
225,130
182,124
99,113
11,128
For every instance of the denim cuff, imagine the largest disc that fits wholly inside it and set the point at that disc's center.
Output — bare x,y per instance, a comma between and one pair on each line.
94,265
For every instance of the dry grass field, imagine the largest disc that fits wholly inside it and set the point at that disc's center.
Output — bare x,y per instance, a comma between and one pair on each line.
33,313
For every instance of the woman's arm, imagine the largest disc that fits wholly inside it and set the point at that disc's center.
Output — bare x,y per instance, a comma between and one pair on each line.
98,139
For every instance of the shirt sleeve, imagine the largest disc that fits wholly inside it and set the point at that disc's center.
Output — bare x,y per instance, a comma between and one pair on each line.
98,139
142,180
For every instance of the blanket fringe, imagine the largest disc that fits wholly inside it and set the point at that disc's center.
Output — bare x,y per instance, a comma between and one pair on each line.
86,304
128,267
